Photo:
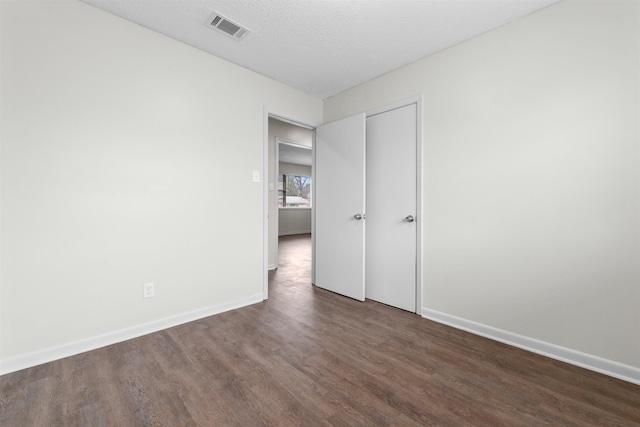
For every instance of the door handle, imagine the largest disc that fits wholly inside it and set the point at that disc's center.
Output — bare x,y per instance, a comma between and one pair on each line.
360,216
409,218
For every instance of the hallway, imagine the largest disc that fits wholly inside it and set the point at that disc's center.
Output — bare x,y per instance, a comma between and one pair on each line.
293,275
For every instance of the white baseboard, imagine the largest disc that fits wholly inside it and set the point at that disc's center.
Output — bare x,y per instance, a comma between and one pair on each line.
39,357
573,357
271,267
291,233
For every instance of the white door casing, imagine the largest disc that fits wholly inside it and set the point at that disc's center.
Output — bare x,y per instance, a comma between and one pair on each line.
339,176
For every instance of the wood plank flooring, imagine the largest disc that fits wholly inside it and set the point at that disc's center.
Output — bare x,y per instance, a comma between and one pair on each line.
310,357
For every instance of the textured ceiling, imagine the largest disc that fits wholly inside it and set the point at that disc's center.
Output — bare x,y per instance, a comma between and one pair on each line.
323,47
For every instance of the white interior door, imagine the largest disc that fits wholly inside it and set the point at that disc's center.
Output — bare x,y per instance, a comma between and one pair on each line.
339,201
391,208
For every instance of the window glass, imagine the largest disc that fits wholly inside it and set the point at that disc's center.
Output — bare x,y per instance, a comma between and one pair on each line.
294,191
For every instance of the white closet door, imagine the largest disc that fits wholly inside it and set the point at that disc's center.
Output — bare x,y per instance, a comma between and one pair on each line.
339,173
391,208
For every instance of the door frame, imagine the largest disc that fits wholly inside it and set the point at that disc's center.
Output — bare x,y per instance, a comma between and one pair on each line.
418,101
269,112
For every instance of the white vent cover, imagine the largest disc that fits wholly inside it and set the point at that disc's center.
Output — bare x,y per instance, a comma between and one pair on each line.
227,26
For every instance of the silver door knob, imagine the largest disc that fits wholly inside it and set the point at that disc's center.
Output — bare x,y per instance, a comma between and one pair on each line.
409,218
359,216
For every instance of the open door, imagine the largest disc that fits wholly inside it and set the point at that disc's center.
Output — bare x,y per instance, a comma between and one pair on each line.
340,206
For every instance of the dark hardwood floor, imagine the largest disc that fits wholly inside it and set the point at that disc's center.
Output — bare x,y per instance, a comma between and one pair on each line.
310,357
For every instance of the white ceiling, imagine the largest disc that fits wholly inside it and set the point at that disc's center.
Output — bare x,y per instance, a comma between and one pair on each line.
323,47
295,154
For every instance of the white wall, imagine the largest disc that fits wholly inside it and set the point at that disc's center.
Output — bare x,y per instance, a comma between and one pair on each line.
289,133
294,220
531,176
116,170
127,158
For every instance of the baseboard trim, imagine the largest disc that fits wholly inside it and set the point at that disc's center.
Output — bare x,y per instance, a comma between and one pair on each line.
563,354
271,267
39,357
291,233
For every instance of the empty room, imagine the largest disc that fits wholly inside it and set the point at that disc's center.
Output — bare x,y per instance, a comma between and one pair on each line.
459,246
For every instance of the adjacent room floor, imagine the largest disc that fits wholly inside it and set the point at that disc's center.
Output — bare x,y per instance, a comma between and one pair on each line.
310,357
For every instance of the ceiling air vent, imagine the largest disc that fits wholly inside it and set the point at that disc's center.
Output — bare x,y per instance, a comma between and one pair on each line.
226,26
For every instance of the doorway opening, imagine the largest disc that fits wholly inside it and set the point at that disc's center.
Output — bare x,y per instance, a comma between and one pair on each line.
289,191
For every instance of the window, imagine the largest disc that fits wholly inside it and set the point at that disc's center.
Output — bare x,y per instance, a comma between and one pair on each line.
294,191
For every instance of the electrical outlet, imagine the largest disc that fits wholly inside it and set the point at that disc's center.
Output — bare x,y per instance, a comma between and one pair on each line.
147,290
256,176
